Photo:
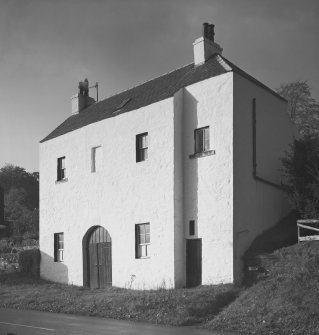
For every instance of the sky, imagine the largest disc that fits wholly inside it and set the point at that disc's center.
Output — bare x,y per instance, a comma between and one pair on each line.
48,46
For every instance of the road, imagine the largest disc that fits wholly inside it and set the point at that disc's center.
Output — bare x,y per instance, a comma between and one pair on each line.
22,322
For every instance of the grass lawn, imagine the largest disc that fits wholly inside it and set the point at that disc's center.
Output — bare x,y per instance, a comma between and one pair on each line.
164,306
286,303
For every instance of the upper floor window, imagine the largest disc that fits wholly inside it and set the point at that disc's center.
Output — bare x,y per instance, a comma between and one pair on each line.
58,247
142,240
141,147
61,169
96,159
201,140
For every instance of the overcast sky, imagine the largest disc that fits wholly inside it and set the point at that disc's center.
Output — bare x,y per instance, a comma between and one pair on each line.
48,46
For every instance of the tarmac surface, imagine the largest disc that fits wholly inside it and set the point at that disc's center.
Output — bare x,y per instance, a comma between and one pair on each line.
25,322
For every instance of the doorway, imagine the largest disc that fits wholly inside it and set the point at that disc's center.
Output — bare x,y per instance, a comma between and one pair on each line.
193,262
99,258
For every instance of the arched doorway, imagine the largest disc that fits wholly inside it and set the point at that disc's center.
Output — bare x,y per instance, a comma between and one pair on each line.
97,260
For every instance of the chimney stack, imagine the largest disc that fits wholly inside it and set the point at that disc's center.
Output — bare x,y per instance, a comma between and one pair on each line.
205,46
81,100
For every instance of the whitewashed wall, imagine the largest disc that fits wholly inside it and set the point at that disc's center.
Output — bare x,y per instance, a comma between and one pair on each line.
257,206
208,181
123,194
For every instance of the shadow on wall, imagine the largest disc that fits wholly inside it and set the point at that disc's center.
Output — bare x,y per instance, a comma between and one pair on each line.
190,123
51,270
191,180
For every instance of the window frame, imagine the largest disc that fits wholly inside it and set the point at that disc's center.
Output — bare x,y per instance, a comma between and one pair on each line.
142,245
61,170
141,151
58,250
201,140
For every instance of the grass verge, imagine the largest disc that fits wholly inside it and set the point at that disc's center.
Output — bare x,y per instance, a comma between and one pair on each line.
164,306
287,302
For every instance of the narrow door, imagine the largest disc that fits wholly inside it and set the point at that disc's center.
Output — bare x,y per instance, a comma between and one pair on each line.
193,262
100,258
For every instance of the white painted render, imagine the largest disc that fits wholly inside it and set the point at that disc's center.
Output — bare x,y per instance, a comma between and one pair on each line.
171,188
208,181
257,205
205,48
121,195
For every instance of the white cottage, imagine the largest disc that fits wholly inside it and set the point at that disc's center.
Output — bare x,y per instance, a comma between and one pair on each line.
166,183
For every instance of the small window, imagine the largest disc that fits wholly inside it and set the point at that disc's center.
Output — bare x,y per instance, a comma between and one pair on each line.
142,240
201,140
61,169
96,159
58,247
141,147
192,228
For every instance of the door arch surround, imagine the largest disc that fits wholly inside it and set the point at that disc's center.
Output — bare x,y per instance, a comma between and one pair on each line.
97,257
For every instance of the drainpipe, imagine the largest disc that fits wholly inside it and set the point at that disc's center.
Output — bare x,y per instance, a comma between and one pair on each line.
255,176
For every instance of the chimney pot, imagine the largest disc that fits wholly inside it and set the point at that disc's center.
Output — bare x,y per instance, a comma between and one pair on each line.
82,99
205,46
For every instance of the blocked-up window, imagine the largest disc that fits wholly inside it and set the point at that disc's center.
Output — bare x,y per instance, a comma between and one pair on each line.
58,247
141,147
142,240
61,172
201,136
96,159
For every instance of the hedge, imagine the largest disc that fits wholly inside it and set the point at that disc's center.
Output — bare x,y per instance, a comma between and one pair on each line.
29,261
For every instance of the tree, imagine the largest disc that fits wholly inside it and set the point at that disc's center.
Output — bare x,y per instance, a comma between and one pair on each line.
16,177
301,176
21,199
302,107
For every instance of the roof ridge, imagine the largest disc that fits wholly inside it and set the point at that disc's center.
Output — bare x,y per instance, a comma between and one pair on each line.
147,81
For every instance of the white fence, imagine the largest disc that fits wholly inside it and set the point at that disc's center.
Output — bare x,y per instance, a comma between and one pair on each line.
312,225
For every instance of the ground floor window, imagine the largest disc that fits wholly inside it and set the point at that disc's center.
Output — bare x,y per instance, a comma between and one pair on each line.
58,247
142,240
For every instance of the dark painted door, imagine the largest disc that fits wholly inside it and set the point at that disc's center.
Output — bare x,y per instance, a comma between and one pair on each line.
100,259
193,262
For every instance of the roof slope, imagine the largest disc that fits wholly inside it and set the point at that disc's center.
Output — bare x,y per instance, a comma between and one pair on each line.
147,93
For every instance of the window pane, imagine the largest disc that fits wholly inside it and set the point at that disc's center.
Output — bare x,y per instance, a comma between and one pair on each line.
141,238
206,139
148,246
192,227
201,140
141,147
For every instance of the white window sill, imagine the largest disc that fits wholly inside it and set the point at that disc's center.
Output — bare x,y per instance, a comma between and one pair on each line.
202,154
146,257
61,181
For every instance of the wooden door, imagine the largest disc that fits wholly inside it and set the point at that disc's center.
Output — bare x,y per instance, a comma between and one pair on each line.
193,262
100,259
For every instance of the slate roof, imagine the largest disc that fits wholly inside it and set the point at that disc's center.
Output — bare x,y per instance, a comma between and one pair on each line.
149,92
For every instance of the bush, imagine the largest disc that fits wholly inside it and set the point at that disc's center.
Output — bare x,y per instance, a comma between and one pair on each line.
29,261
301,173
6,246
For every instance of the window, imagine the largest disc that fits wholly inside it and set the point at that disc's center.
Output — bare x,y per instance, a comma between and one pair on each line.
201,140
61,169
192,228
58,247
141,147
96,159
142,240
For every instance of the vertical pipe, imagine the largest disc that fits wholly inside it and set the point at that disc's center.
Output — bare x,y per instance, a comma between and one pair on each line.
254,138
